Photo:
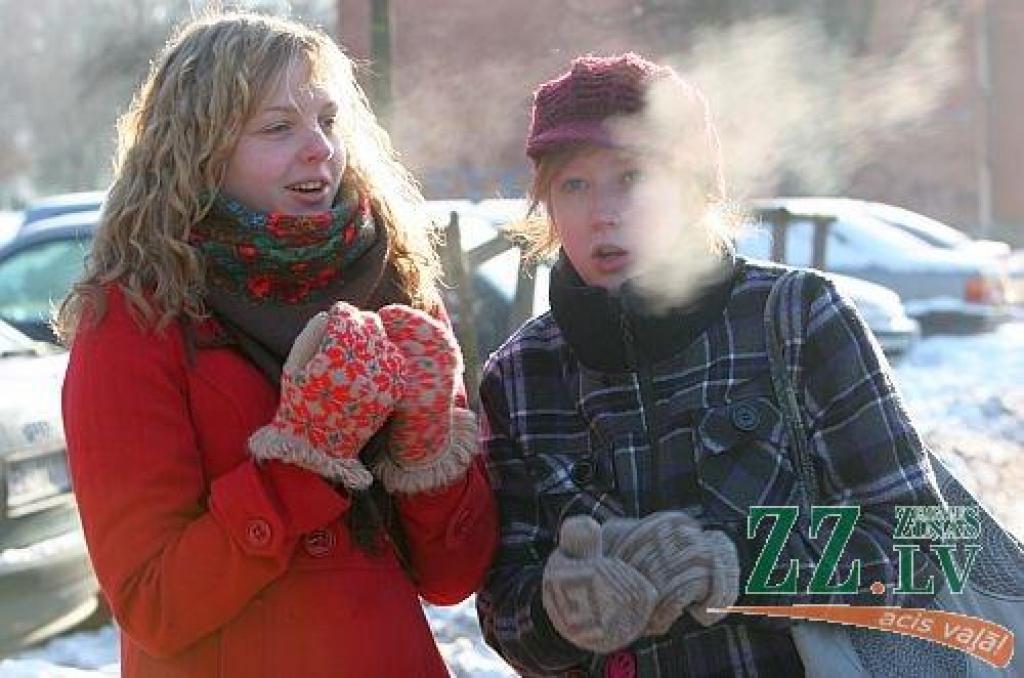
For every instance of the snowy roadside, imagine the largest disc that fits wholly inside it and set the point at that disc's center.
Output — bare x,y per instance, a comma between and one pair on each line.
88,653
966,395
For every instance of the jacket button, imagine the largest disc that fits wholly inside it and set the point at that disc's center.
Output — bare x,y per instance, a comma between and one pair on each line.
461,526
318,543
582,472
621,664
257,532
745,416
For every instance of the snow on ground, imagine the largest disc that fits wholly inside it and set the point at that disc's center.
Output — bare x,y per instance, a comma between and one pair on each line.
966,395
88,653
462,646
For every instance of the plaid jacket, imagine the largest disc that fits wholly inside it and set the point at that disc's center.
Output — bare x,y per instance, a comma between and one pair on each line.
564,439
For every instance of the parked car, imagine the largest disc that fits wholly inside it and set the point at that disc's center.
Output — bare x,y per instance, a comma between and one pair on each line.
496,282
492,283
38,267
1015,270
883,313
941,235
46,582
933,231
10,222
945,289
63,203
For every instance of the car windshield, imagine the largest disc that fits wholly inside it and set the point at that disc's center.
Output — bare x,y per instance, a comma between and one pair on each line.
931,231
857,238
36,278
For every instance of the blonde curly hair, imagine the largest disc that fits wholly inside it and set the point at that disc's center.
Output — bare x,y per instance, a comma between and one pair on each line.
174,143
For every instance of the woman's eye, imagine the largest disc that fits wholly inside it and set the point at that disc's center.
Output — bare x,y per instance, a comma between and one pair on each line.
632,177
276,127
573,185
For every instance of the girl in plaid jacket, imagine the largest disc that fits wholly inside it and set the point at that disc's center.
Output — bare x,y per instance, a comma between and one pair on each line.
630,428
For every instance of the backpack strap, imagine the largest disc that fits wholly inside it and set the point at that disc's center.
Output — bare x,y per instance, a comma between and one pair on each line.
783,324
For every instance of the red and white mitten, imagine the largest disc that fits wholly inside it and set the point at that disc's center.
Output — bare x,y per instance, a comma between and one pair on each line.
431,441
339,385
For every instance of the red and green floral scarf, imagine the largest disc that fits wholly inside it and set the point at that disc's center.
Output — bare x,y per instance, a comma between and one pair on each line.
281,257
267,274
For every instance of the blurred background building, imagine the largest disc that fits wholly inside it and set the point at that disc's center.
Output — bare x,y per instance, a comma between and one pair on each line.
942,133
915,102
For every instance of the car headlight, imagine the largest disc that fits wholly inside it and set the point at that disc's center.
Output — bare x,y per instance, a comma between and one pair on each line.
34,479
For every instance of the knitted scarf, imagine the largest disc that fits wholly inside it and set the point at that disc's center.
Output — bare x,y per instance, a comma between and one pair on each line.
269,273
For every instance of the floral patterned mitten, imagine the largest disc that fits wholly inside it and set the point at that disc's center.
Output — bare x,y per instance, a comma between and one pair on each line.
431,440
340,383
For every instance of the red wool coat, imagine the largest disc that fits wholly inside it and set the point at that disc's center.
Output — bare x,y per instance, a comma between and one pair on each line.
216,567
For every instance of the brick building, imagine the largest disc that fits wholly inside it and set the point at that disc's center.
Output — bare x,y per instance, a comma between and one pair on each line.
461,75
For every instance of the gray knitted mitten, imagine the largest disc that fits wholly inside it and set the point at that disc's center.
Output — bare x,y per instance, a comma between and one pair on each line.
597,603
691,568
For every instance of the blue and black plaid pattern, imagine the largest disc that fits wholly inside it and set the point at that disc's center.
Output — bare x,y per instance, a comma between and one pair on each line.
564,440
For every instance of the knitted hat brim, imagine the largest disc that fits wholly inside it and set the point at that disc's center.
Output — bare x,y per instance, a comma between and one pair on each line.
594,132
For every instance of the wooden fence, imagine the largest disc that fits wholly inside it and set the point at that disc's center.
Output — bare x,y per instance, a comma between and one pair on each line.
459,266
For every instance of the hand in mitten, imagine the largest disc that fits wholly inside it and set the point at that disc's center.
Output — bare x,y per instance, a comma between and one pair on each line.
596,602
691,568
339,384
431,441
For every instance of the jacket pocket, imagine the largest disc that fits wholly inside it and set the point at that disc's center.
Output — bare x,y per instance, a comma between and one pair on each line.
572,477
743,458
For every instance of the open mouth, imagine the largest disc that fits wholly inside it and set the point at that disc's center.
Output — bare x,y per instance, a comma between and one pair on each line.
314,187
608,252
610,259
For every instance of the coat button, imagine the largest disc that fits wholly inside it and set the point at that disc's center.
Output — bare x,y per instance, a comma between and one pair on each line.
461,526
745,416
257,532
318,543
621,664
582,472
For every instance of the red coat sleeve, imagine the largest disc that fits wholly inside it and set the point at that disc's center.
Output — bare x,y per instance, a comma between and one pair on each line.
452,536
176,556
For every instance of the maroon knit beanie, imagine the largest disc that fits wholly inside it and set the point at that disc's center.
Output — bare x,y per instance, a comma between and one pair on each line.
574,106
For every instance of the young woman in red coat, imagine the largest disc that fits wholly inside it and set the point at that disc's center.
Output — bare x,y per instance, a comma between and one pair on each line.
267,432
